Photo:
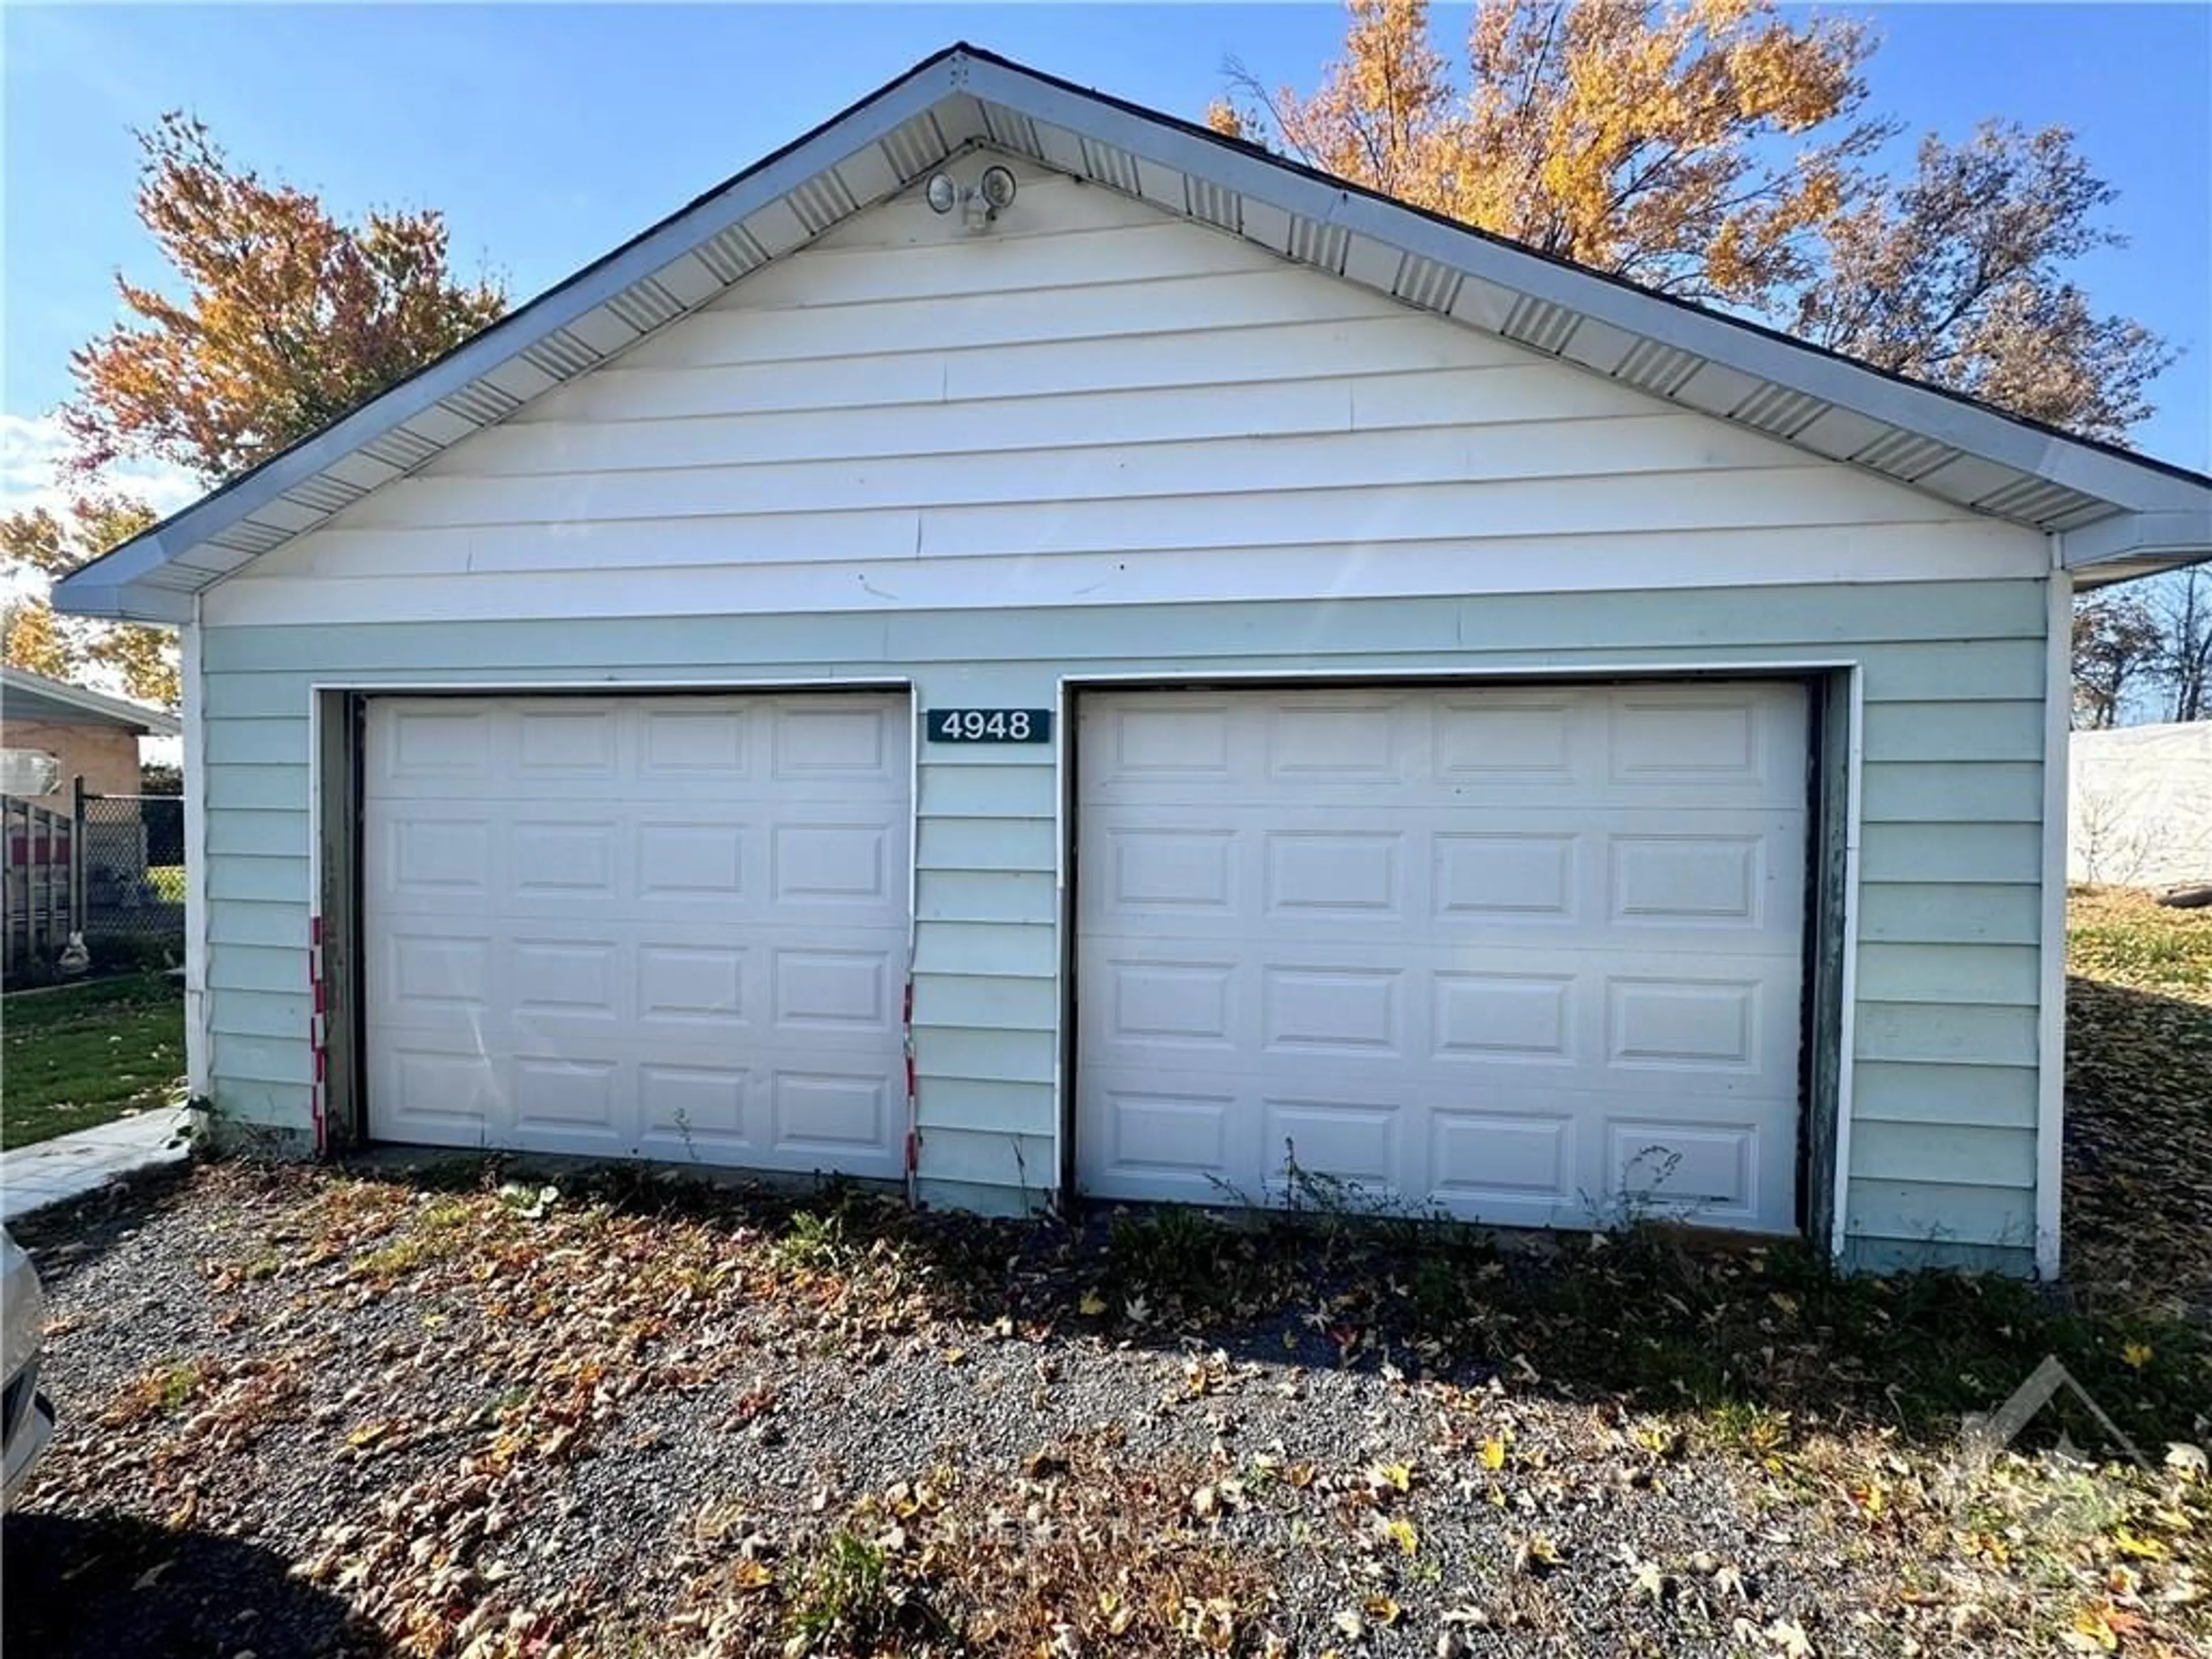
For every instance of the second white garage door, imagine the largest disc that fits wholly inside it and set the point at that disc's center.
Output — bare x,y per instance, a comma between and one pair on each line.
1530,955
673,926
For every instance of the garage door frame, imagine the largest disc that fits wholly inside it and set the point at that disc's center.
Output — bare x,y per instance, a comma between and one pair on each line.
337,754
1834,692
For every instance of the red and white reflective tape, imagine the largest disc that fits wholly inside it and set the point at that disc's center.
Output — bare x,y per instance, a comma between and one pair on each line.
319,1034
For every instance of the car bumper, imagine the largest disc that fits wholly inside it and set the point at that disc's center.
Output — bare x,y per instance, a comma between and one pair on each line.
29,1420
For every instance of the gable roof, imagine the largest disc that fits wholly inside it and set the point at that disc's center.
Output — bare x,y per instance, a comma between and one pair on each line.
2115,514
28,697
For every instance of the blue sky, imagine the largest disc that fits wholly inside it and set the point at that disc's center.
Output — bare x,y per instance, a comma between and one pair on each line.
549,134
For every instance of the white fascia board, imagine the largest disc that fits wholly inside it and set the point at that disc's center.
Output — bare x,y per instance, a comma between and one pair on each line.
124,600
2170,539
1764,358
110,590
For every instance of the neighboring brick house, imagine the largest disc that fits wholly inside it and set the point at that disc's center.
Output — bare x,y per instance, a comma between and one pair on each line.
87,734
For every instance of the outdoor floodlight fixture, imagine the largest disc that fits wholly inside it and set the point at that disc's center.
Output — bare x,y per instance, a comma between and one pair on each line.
981,202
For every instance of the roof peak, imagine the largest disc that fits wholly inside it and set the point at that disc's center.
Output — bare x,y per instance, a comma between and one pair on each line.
2118,513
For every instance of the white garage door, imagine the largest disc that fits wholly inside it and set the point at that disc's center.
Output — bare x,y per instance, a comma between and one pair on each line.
673,926
1515,953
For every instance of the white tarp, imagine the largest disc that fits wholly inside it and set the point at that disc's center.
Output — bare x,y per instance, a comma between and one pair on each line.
2140,805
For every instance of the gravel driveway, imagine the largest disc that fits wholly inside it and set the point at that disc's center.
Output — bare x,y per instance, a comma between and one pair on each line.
306,1412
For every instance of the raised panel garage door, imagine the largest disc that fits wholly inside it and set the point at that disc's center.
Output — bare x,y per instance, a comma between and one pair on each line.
669,926
1530,955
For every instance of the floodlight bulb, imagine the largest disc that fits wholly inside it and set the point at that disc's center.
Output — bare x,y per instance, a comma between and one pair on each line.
943,194
997,188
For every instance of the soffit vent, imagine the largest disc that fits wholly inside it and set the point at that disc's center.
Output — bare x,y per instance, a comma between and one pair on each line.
1110,165
2035,500
913,148
1425,283
645,306
248,536
482,404
1541,324
1779,411
731,253
1651,366
560,353
401,448
1317,244
1907,455
1011,129
183,576
1213,204
821,201
325,494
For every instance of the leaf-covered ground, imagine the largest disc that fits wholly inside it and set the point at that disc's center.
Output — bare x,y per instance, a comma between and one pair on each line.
2139,1097
457,1412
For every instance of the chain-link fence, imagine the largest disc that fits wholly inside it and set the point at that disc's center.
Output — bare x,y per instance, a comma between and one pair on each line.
94,884
134,878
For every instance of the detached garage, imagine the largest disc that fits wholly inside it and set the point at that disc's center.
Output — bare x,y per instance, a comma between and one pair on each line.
1023,647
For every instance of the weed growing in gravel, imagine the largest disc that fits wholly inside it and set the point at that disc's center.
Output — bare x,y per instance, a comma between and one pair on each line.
178,1384
812,1242
1759,1432
845,1600
166,1389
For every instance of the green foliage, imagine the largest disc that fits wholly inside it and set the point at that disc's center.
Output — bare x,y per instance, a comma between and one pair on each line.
844,1602
89,1054
178,1384
813,1243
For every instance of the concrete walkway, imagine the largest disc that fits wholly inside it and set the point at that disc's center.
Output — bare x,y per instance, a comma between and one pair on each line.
69,1166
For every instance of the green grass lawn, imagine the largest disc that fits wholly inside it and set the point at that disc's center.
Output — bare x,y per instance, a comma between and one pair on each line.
87,1055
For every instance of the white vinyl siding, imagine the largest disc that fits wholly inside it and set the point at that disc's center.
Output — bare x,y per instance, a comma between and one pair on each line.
1013,382
902,416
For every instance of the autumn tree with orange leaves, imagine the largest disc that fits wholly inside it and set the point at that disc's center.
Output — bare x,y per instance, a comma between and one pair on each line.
1713,150
285,318
1625,136
1716,151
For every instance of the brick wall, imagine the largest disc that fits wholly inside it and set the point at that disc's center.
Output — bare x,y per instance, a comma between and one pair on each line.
106,756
